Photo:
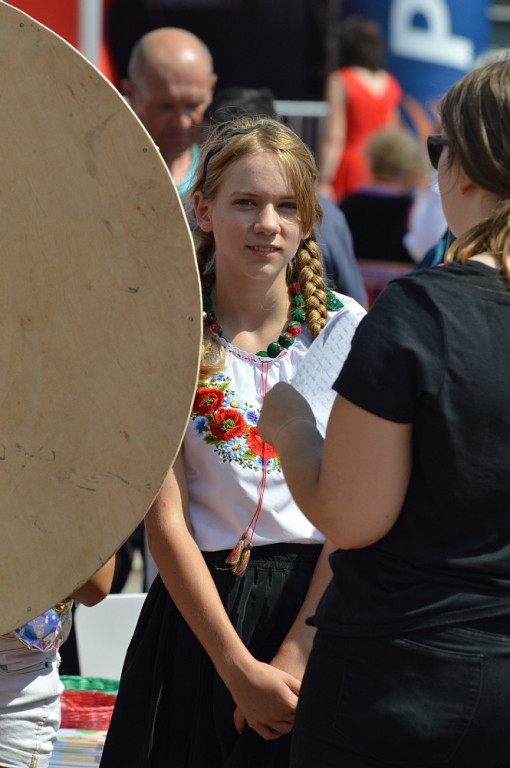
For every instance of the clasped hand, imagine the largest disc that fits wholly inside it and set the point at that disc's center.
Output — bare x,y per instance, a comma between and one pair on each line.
266,699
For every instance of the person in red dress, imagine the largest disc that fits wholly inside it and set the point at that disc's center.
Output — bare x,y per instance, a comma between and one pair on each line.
362,97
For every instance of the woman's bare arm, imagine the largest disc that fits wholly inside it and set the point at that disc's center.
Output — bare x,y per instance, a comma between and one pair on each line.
353,484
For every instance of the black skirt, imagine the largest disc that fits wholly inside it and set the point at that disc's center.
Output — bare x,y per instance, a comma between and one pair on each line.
173,710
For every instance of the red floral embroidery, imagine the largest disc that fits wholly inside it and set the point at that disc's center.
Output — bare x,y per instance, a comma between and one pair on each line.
227,424
208,400
258,446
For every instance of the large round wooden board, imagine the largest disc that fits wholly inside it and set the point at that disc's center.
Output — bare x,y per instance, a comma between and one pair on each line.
100,319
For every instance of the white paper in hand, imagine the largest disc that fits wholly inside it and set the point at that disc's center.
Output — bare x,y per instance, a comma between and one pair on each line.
322,363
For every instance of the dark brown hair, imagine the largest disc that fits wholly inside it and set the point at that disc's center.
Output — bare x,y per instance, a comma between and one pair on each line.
475,115
361,44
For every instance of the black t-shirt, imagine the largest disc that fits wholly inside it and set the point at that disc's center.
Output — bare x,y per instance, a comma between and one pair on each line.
434,350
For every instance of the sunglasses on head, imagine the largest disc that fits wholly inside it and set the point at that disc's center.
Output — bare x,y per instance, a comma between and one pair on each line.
435,144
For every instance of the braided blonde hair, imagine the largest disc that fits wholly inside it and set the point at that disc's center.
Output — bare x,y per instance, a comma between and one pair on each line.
225,145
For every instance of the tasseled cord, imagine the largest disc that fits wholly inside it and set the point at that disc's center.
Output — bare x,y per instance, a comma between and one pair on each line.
240,555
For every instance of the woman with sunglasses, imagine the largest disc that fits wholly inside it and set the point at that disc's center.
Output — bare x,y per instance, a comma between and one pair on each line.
411,661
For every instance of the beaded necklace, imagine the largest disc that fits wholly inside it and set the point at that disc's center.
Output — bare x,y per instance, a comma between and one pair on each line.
293,328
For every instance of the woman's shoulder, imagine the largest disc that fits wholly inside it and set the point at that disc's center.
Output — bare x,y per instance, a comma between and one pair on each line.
379,83
413,284
441,275
437,291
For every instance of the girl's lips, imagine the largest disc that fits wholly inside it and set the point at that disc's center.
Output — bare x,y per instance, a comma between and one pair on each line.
263,248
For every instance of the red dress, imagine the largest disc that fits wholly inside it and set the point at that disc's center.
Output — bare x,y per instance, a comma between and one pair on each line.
366,112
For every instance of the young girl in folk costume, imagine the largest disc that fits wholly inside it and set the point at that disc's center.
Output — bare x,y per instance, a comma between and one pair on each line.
213,672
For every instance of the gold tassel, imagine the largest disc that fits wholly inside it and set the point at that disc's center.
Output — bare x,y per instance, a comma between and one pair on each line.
235,555
240,568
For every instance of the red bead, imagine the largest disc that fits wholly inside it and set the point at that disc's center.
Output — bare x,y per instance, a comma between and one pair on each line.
294,329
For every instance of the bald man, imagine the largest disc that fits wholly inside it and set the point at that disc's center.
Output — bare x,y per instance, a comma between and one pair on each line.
170,85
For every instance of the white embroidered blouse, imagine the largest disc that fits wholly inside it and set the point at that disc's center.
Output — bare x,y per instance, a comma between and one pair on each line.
228,475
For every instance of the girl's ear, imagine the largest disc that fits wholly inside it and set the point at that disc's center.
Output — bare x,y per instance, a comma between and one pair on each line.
202,212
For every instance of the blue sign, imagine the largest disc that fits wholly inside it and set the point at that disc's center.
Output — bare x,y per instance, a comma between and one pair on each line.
430,43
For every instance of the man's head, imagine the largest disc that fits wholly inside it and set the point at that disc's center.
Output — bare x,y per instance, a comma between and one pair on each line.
171,84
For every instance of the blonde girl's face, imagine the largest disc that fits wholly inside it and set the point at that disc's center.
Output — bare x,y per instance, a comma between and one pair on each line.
253,218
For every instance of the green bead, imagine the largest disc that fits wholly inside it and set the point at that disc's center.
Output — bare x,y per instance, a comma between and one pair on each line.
298,315
286,340
274,349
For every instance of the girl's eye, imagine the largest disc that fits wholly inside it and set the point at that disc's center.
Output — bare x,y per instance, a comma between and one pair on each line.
244,201
289,206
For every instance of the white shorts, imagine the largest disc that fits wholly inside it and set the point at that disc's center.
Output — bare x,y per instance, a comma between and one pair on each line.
30,689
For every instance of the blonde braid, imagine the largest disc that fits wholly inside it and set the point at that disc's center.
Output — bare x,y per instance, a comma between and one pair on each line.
308,271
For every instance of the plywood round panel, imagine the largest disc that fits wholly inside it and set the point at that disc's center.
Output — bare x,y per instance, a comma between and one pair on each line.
100,319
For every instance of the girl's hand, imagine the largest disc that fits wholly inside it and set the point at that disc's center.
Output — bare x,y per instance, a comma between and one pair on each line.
282,404
266,699
289,659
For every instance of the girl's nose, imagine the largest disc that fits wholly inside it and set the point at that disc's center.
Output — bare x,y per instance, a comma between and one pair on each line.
267,219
